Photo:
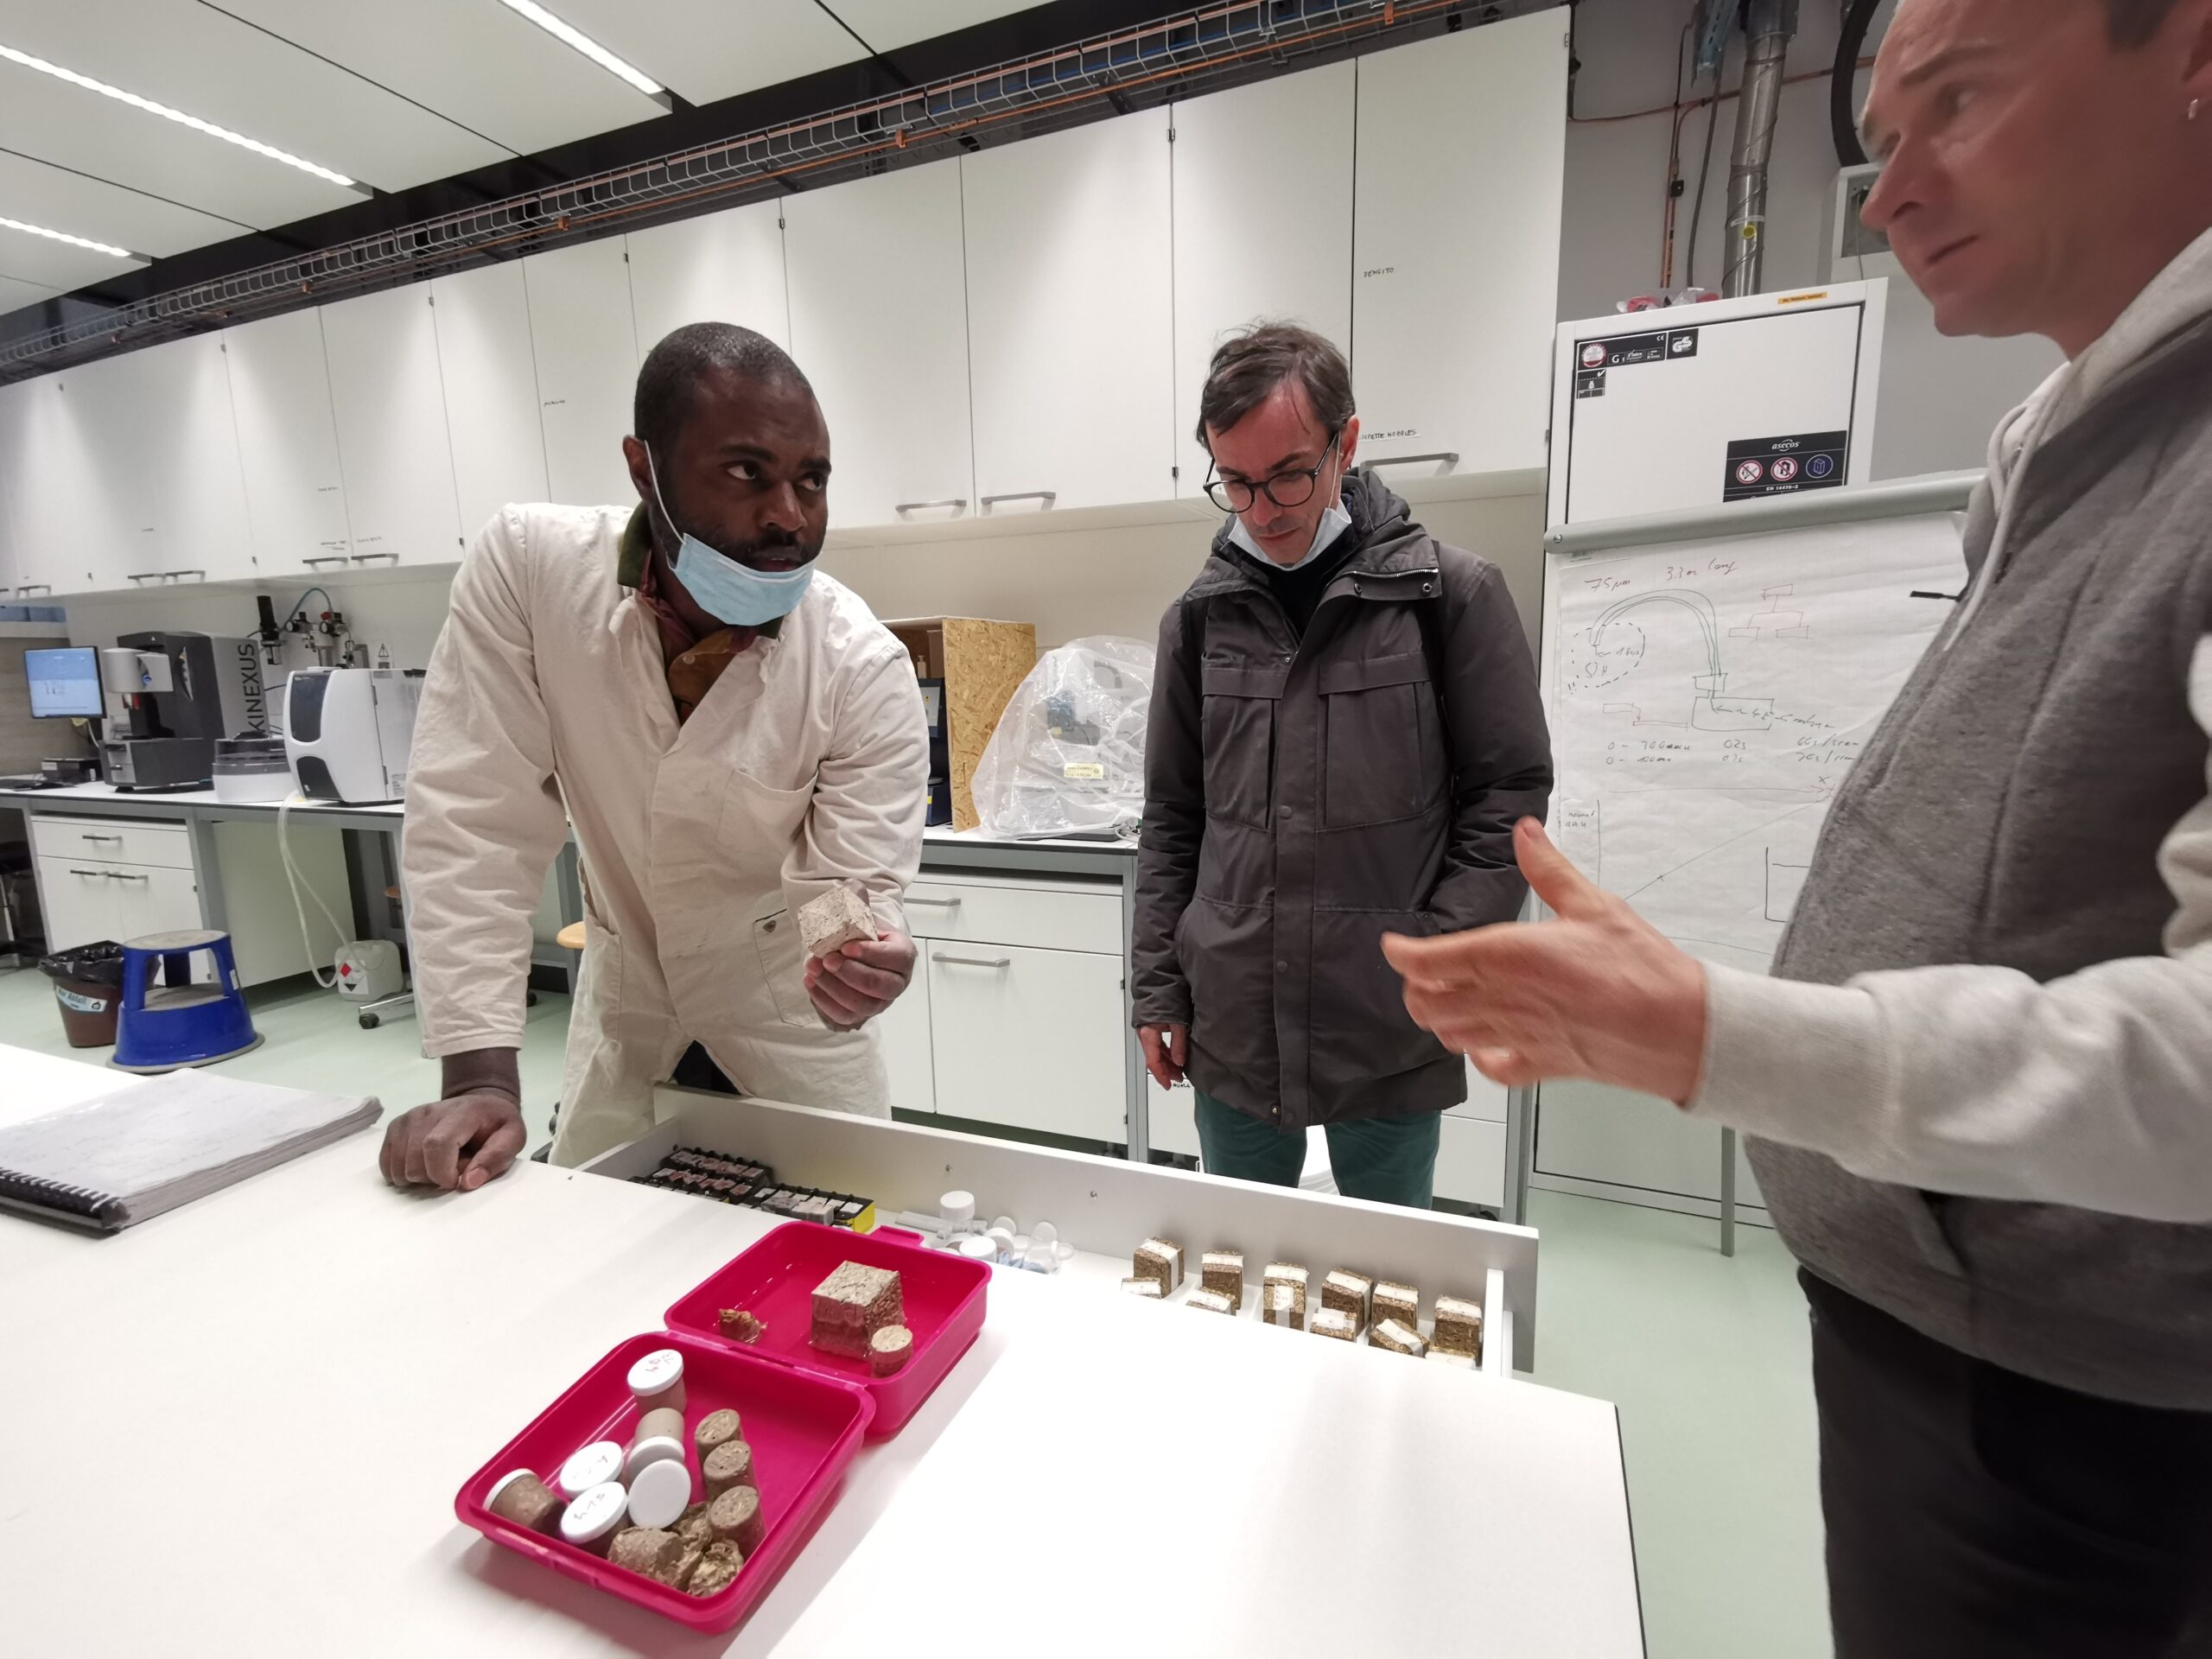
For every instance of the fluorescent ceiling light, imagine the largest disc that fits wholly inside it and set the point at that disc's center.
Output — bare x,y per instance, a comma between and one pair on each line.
8,224
169,114
568,35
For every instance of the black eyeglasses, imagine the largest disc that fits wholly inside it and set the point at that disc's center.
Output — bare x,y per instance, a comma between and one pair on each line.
1293,488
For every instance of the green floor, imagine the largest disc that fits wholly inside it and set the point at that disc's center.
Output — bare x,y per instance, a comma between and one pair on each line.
1706,1357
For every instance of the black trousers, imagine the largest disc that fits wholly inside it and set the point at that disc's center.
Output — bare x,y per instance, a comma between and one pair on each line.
1973,1511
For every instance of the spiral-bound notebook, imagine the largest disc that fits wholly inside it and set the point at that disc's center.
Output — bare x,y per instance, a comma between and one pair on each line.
148,1146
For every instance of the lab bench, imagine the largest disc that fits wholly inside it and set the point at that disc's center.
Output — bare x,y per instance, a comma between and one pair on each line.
1103,1475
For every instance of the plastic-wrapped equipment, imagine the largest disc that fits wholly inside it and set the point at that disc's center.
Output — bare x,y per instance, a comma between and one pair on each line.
1068,755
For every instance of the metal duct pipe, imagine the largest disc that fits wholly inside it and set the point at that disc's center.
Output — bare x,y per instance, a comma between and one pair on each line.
1768,25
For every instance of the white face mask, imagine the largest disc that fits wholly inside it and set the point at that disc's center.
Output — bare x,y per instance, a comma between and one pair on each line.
1334,523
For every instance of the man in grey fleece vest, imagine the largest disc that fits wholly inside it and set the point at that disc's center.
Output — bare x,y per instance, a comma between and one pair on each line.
1981,1073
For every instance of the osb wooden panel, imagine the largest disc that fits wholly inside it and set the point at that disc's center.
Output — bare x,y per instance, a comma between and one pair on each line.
983,663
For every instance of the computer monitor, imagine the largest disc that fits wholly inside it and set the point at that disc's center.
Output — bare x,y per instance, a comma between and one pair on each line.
65,685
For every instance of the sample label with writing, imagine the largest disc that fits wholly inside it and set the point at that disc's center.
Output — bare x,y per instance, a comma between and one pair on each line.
1087,771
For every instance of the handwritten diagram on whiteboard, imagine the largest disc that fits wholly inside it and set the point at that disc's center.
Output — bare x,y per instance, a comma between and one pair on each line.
1707,698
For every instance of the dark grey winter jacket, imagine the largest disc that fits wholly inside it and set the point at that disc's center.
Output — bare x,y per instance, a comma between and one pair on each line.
1304,797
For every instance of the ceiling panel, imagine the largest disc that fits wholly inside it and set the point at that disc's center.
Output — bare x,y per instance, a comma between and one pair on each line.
710,50
212,65
887,25
62,200
473,61
14,294
42,260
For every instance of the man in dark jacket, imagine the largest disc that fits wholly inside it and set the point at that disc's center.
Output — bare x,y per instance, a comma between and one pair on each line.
1344,726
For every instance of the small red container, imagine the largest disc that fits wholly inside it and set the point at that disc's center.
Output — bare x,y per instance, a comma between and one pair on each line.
804,1412
945,1295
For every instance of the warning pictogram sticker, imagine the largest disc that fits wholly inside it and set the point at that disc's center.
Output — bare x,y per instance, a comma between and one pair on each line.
1785,468
1750,471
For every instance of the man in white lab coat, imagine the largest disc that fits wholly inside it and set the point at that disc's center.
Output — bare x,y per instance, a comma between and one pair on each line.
729,732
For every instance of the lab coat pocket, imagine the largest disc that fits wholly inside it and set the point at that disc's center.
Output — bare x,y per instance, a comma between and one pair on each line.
783,970
760,822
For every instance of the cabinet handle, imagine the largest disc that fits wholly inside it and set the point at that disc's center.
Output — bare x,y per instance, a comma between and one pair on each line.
1047,497
960,501
327,558
88,836
31,587
73,870
145,575
971,962
916,899
1449,457
117,875
370,558
173,574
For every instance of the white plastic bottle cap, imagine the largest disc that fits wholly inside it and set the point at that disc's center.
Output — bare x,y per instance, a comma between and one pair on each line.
659,1493
654,1448
1002,1239
1044,1233
977,1248
956,1209
596,1465
594,1513
1006,1225
658,1371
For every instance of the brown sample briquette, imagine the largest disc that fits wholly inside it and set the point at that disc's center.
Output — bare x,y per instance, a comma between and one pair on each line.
737,1515
728,1464
852,1305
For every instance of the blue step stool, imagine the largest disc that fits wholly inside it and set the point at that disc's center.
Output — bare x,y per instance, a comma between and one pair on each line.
165,1020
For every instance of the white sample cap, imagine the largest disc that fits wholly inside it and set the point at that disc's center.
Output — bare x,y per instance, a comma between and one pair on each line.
504,1481
1044,1233
594,1513
657,1372
1006,1225
956,1208
1002,1239
654,1448
596,1465
977,1248
659,1493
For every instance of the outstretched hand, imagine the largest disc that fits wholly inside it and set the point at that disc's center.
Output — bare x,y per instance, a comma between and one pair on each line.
1597,994
855,982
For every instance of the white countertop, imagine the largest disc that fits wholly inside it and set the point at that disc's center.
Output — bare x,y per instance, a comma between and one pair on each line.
325,1360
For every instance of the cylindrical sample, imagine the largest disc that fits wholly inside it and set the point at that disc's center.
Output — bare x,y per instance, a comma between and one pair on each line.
889,1348
978,1248
1001,1240
956,1209
593,1517
648,1550
737,1515
728,1464
716,1428
596,1465
717,1569
657,1379
659,1493
659,1448
662,1423
522,1498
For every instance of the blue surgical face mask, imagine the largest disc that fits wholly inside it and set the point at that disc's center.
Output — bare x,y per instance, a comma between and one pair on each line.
727,590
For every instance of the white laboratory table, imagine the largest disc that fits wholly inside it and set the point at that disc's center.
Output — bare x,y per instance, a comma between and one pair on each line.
310,1364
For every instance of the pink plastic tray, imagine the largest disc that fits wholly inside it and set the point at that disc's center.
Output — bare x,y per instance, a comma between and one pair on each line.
804,1430
945,1296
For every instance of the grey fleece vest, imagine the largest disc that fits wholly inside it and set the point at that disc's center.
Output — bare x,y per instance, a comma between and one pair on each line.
2008,811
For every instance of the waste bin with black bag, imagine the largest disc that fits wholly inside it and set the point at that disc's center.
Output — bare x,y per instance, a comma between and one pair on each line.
88,987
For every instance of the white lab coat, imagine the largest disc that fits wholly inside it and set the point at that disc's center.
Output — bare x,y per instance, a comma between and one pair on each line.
806,765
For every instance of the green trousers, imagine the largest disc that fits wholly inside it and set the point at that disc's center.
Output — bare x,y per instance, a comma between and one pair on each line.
1385,1159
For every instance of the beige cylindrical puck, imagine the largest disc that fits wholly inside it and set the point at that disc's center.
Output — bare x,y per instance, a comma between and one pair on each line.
889,1348
717,1569
522,1498
649,1550
716,1428
735,1515
662,1423
728,1464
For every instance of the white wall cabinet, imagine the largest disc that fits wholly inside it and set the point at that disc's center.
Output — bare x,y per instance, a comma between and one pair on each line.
295,487
585,348
388,401
724,267
908,1055
86,900
197,473
1250,164
879,313
1070,308
1460,165
102,506
12,569
491,390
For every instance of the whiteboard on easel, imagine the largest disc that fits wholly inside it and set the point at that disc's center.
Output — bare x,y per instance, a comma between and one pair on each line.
1708,694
